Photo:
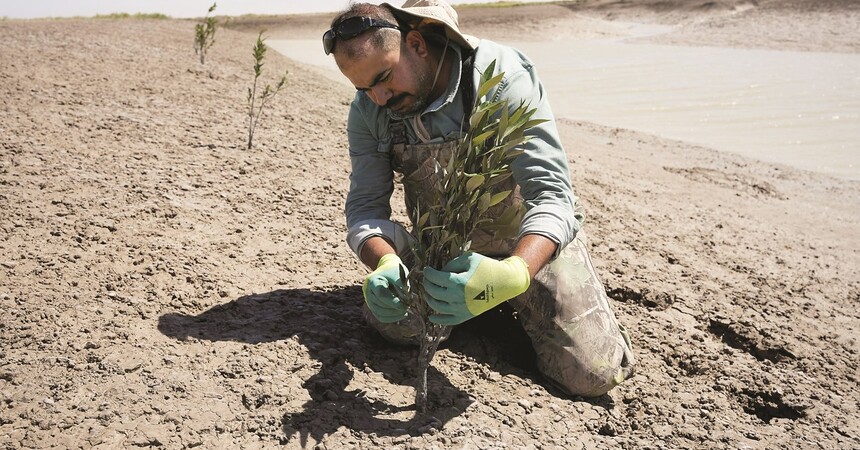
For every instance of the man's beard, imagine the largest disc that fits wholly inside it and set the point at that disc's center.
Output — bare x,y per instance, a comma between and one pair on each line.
421,95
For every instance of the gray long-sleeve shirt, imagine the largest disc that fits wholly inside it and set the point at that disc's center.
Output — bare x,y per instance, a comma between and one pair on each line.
541,172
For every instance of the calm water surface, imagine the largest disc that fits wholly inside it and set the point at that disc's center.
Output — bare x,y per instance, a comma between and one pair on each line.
795,108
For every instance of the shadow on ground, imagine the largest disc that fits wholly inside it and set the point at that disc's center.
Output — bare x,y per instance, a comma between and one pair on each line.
330,325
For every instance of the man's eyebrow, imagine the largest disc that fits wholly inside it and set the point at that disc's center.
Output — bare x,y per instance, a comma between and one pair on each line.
376,80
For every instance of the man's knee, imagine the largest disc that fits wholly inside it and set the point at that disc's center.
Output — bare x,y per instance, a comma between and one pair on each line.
404,332
587,371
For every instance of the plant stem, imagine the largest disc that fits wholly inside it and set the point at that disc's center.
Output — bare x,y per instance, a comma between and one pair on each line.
431,336
252,98
429,344
251,130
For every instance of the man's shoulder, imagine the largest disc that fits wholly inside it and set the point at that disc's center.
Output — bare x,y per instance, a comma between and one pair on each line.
507,58
363,112
362,103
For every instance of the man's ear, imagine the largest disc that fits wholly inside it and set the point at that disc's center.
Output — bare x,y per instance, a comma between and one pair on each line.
415,42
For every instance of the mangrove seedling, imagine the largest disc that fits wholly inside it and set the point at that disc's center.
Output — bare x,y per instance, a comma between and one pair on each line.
476,177
204,34
257,99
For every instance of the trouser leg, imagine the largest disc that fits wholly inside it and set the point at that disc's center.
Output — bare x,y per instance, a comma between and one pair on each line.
404,332
579,343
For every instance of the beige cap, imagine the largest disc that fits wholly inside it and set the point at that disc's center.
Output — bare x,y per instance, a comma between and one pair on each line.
422,13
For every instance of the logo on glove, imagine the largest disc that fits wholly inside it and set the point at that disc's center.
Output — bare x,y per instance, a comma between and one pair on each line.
486,294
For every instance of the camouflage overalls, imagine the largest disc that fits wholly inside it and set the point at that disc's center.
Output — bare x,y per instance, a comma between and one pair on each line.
579,343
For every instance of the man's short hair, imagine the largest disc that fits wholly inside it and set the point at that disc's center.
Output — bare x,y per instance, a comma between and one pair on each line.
380,38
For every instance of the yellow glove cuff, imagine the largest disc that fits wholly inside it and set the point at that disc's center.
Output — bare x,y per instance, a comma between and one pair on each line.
494,282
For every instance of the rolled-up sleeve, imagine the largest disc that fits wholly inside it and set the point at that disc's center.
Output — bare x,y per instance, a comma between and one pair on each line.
368,203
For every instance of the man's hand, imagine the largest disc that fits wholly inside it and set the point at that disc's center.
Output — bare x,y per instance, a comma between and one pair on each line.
471,284
382,303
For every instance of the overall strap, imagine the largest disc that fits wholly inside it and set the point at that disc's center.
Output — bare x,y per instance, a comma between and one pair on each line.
397,128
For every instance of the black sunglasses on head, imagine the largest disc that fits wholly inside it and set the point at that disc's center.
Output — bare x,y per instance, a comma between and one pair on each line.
351,28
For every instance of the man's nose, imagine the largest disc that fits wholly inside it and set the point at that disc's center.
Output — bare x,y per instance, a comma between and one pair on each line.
380,95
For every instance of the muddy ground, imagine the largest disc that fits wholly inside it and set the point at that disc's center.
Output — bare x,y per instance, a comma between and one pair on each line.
163,286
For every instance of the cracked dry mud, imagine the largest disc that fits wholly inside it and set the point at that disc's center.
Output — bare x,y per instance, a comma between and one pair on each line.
161,286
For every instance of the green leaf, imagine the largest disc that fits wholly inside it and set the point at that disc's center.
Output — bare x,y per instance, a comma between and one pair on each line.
474,182
489,84
477,117
480,139
514,134
452,161
399,293
535,122
484,202
423,219
503,123
464,215
512,154
496,179
499,197
508,224
517,115
511,143
488,73
490,109
455,248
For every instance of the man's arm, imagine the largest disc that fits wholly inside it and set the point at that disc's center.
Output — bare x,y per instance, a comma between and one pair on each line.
536,251
542,171
375,248
368,206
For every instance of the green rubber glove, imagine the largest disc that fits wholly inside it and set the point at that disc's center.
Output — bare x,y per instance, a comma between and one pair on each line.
471,284
382,303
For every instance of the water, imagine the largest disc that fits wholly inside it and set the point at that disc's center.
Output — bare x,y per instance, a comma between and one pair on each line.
309,51
796,108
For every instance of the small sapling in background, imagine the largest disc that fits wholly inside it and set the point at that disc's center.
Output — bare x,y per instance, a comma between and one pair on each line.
257,100
204,35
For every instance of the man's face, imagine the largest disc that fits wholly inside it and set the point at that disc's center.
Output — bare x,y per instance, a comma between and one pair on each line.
398,79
